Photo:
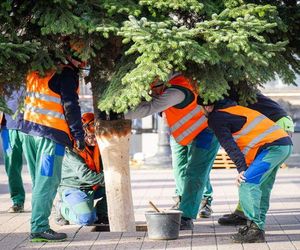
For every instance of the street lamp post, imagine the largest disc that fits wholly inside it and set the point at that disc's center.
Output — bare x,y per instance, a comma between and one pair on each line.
162,158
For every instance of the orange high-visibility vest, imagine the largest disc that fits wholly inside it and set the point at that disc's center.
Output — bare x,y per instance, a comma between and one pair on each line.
42,105
256,132
185,123
92,158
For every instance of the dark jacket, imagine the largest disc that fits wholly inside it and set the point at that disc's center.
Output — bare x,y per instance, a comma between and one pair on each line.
224,125
66,85
13,102
264,105
76,173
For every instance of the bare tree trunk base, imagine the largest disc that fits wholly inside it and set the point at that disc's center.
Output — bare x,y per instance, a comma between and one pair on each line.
113,140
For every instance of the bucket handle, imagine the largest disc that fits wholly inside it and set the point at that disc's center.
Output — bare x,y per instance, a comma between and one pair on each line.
155,207
162,212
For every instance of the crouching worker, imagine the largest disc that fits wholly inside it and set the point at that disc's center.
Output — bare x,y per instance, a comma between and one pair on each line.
258,147
82,183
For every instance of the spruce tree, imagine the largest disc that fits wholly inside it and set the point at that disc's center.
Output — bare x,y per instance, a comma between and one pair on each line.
129,43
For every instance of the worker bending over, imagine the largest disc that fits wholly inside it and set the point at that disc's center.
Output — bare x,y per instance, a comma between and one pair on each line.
194,146
258,147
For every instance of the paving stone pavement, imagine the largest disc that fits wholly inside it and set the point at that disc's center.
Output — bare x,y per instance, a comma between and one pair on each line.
282,230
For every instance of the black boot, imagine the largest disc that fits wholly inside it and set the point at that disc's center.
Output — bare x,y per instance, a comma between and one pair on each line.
186,223
233,219
102,220
238,237
249,234
101,210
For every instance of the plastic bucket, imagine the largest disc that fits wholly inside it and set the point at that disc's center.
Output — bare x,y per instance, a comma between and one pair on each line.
164,225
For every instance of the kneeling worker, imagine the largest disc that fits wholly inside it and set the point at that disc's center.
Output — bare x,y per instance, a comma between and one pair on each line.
82,183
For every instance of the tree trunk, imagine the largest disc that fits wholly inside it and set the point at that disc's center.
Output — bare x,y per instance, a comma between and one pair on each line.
113,140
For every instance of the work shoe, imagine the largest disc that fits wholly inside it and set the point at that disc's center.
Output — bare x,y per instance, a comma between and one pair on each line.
47,236
205,210
186,224
102,220
232,220
249,234
177,200
238,237
16,208
59,219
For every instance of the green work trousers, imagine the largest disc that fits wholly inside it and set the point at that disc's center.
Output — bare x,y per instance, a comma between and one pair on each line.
208,191
191,167
254,193
44,158
287,124
12,149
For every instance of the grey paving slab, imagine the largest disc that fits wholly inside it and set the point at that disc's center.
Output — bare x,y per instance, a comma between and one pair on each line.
204,241
256,246
223,240
153,244
183,242
107,241
15,238
28,245
131,241
282,227
4,217
13,224
84,239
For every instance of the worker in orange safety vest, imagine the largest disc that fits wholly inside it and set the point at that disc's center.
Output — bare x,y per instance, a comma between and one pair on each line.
194,146
52,121
82,182
258,147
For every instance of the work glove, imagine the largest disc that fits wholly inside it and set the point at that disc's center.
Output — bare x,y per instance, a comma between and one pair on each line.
79,145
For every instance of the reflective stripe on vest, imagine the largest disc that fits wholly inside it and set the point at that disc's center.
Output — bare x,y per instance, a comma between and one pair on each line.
44,112
42,105
250,126
187,122
259,138
184,119
256,132
191,129
44,97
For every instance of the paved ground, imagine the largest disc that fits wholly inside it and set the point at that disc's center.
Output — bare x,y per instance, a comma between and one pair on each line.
282,232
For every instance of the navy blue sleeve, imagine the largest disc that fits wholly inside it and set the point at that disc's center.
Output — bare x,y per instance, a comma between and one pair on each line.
268,107
66,85
224,124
